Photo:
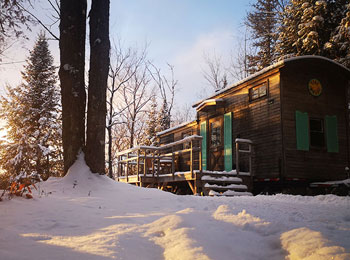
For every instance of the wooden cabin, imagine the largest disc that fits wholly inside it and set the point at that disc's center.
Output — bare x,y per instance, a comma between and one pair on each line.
284,126
295,112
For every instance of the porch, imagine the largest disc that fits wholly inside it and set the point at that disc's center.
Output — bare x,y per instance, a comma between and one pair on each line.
178,167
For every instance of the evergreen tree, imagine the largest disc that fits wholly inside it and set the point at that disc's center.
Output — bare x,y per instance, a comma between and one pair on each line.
164,118
262,21
340,41
152,125
31,112
307,27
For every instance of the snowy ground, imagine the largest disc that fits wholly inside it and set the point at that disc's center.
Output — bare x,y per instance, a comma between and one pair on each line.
84,216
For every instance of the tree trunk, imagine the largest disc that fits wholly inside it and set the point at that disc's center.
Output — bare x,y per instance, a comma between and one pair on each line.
71,73
98,74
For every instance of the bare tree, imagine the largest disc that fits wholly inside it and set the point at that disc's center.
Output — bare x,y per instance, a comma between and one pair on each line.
215,73
167,87
123,66
135,97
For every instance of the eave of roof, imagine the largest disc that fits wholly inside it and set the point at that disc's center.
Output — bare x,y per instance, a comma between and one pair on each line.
278,64
176,127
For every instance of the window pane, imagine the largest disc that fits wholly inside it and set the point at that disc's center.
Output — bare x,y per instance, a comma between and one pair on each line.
215,139
316,132
263,90
316,125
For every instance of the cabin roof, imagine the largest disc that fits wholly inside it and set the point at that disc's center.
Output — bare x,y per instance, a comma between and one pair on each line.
175,127
278,64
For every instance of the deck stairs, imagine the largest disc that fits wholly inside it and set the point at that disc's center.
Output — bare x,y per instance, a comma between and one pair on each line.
222,183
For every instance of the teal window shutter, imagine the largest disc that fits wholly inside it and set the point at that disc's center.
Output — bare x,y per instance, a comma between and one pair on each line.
332,134
204,144
302,130
228,141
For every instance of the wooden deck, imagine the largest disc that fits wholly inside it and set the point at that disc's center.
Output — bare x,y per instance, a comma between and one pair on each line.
150,166
159,167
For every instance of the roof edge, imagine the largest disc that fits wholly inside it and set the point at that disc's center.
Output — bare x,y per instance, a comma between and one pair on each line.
278,64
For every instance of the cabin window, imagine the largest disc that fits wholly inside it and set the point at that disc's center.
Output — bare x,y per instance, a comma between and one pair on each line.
215,135
258,92
316,132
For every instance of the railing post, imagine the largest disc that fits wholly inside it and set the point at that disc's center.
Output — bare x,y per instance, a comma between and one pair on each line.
250,161
138,164
127,168
237,158
200,156
191,159
173,162
152,163
158,163
145,163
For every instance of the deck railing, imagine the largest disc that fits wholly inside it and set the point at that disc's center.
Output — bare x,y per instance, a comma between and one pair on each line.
240,150
155,161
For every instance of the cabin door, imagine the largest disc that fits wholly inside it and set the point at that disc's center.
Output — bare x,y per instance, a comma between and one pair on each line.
216,144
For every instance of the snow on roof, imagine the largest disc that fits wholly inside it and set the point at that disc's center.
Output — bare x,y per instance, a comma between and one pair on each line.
208,101
271,67
175,127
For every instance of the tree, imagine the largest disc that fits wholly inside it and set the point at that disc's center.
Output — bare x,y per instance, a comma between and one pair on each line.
215,74
98,74
308,26
262,21
167,87
31,111
152,124
123,66
71,73
12,19
340,40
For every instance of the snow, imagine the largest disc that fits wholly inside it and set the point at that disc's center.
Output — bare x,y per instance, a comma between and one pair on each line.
88,216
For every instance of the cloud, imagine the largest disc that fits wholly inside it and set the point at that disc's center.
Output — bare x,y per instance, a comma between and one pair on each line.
189,62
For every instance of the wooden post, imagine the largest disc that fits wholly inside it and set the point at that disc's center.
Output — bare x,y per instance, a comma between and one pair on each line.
200,156
153,163
191,159
145,163
237,158
138,164
250,162
158,165
173,162
127,168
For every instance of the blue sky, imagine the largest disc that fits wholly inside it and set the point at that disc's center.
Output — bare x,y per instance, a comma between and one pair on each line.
179,32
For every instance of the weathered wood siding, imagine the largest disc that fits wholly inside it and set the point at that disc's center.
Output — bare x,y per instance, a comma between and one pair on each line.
317,163
257,120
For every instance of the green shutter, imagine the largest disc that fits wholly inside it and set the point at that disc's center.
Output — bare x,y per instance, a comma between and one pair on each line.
228,141
332,134
204,145
302,130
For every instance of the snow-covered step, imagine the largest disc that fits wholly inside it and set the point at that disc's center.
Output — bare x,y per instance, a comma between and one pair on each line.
227,187
229,193
221,179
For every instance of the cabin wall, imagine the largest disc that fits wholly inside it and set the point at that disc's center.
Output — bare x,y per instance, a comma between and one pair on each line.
316,163
257,120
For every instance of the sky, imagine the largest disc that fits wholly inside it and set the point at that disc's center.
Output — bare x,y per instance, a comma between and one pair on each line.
177,32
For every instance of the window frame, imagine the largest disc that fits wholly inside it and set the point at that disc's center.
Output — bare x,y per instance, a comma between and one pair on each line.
260,96
219,123
323,132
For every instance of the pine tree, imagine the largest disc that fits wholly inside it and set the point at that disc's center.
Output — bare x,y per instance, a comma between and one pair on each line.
340,41
307,27
31,112
152,125
164,118
262,21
